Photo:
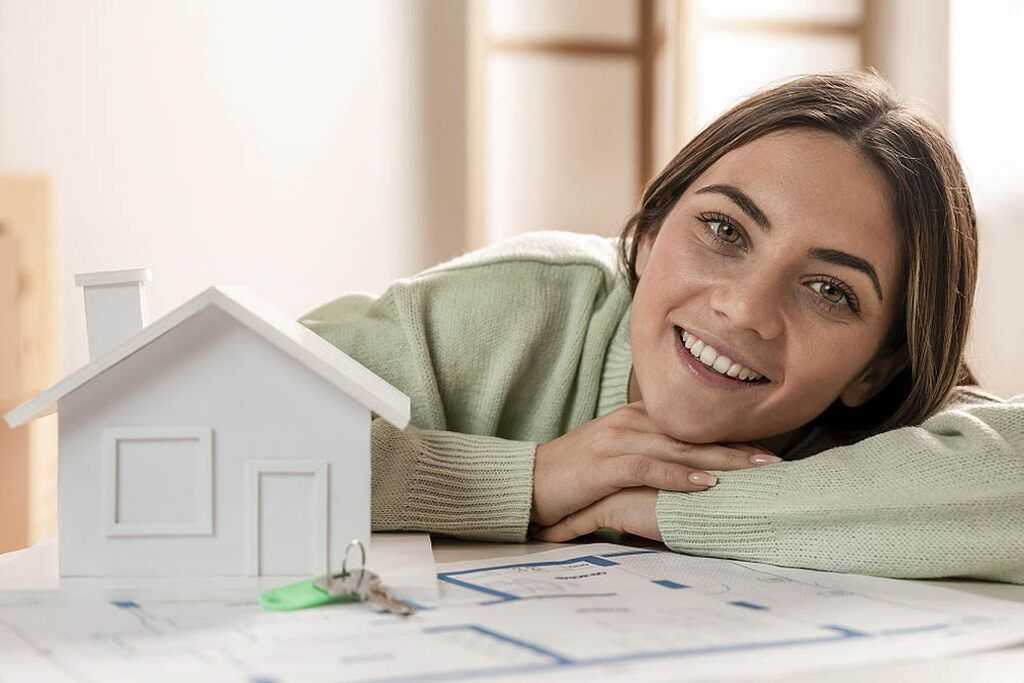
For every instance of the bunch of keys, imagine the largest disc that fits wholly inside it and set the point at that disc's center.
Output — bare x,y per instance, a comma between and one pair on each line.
358,585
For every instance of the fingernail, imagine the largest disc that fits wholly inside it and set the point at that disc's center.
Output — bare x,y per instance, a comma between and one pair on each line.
764,459
703,478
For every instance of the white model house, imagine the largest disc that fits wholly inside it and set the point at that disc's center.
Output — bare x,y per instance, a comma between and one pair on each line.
224,439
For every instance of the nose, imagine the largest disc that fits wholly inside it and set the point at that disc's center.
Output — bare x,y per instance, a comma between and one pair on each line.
750,301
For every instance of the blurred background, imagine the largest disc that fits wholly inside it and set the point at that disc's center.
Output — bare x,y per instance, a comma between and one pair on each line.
306,149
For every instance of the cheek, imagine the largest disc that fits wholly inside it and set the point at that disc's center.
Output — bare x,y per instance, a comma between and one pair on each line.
826,364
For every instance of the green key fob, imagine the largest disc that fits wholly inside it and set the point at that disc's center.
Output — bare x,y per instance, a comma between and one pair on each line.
301,595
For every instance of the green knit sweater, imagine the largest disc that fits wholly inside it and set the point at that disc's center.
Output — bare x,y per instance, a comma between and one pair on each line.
517,343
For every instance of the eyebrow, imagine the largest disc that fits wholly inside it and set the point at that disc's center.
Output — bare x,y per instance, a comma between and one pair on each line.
841,258
834,256
740,198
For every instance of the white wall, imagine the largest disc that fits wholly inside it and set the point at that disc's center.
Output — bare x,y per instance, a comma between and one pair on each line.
986,105
962,61
302,148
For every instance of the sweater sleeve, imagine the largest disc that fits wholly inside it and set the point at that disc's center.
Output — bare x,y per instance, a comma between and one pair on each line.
464,485
425,478
942,499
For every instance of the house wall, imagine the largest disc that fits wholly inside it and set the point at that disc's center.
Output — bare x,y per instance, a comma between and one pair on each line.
260,403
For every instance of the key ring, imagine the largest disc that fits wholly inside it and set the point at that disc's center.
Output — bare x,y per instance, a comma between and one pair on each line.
344,561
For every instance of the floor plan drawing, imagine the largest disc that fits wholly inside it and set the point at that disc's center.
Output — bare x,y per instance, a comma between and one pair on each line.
591,610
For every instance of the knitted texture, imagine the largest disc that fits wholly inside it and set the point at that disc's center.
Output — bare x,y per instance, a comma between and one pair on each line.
942,499
520,342
498,350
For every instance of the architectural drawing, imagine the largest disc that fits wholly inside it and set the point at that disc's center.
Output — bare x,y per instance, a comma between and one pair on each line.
581,613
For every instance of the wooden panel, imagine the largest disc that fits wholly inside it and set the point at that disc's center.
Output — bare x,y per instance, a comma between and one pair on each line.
10,320
28,359
25,213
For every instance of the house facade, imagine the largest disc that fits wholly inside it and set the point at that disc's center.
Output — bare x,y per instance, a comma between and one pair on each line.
220,441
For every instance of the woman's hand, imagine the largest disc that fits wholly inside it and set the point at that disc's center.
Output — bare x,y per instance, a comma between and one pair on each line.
633,511
620,450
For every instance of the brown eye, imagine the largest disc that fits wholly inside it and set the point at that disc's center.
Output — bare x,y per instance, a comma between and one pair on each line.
724,231
829,292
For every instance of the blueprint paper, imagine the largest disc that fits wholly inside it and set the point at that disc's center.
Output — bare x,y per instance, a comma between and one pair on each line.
600,611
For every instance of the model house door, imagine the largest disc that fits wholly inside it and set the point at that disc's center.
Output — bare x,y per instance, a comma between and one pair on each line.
287,517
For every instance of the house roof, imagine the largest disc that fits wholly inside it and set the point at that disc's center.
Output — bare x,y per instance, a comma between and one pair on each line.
289,336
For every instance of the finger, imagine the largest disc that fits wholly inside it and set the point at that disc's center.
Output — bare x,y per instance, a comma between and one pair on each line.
751,448
575,525
639,470
698,456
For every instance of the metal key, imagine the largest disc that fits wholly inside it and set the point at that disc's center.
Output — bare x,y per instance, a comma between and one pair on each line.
365,586
380,596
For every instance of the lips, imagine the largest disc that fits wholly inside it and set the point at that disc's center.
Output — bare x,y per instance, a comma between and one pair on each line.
707,374
716,360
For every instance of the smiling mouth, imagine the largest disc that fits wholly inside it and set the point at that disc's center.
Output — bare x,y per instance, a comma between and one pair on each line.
716,363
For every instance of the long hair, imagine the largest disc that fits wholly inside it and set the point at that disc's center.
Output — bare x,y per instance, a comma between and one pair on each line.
932,211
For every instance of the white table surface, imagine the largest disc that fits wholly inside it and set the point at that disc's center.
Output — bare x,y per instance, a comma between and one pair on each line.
23,569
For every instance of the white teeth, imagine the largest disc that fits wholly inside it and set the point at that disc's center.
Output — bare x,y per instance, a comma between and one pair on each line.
710,357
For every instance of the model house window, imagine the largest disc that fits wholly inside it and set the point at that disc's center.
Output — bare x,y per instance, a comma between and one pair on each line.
157,481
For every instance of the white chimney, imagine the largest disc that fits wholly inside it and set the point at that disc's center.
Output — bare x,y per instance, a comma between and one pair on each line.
115,306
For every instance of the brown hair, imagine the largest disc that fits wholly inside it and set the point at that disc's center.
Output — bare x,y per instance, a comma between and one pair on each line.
932,209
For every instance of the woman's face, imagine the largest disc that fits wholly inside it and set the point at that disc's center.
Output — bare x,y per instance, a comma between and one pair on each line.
783,259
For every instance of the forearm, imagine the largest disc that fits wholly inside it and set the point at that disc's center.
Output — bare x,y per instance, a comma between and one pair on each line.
944,499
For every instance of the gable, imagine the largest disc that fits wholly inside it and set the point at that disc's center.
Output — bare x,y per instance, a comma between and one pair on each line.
259,318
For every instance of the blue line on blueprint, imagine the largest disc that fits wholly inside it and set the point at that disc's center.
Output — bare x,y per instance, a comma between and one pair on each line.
841,634
719,648
669,584
536,649
124,604
852,633
592,559
624,553
599,561
448,578
748,605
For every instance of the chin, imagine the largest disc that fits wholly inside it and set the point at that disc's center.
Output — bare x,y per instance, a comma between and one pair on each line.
692,430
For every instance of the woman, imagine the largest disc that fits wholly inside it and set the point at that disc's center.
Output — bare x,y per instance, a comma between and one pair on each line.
797,281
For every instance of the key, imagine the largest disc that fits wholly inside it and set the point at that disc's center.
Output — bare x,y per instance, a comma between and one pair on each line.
382,597
365,586
360,585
